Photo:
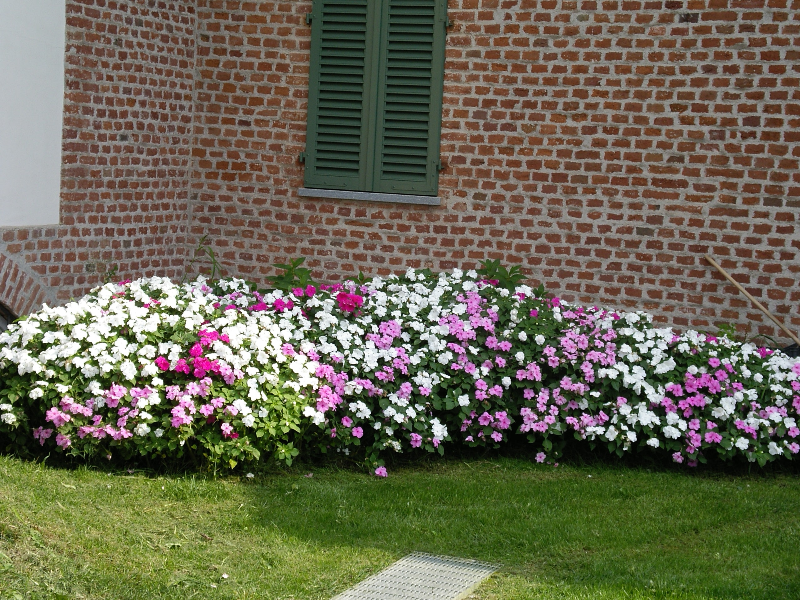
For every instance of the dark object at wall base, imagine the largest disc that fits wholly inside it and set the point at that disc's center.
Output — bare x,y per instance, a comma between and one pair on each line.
6,317
793,351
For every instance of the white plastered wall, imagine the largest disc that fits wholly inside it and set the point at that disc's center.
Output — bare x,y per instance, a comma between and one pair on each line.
31,110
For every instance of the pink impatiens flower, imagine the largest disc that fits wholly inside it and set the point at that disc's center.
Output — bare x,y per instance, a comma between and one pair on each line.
416,440
381,472
42,434
485,419
347,421
540,457
357,432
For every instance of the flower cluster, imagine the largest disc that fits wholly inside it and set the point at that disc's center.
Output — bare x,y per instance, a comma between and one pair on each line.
399,364
153,368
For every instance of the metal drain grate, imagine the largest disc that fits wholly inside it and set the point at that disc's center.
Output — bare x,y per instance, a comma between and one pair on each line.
422,577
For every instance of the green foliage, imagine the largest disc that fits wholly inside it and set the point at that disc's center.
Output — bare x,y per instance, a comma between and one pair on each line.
509,279
110,274
205,250
293,276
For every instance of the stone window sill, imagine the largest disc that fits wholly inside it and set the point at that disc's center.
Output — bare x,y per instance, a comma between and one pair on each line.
370,196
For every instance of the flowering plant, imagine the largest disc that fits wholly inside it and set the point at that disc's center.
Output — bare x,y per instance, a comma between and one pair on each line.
406,363
153,368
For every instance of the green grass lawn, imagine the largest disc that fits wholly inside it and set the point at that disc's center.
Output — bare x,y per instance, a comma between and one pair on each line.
592,532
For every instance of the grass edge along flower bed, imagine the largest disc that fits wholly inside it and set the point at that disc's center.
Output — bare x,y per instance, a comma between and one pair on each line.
365,368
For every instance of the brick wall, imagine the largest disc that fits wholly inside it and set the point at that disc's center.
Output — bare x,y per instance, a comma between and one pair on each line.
603,146
126,150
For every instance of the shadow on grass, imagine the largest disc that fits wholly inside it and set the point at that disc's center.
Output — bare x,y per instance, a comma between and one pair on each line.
588,528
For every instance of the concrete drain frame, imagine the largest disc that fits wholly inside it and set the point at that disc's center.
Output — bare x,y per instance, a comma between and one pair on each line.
421,576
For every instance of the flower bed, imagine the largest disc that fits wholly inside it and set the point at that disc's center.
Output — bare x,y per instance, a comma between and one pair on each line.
403,364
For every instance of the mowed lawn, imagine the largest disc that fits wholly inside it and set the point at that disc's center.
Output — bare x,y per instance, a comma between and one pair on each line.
592,532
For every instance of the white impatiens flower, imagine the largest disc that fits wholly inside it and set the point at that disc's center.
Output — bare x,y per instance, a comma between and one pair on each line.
463,400
742,443
653,442
141,429
128,370
539,339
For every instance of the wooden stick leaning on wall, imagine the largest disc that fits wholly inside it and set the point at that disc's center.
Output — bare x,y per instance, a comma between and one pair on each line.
757,304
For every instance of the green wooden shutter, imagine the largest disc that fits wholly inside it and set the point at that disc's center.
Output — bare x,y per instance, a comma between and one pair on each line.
340,84
375,95
409,104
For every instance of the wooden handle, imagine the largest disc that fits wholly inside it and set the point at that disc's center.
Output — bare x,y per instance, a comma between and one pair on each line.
757,304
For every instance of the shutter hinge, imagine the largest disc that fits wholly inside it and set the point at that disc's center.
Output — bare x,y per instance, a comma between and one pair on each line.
440,166
447,21
302,158
309,18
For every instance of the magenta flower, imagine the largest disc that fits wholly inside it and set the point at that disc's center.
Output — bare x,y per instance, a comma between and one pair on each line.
497,436
162,363
349,302
357,432
540,457
280,305
416,440
381,472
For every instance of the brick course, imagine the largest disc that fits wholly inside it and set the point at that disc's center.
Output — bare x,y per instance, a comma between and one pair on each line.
603,146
